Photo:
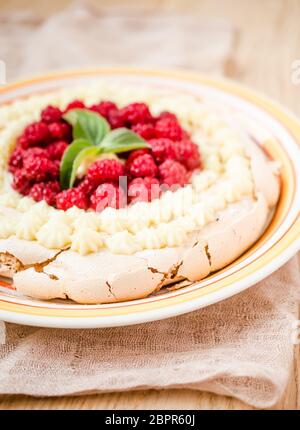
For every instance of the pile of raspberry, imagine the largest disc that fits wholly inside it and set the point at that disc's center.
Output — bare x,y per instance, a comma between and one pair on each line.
169,163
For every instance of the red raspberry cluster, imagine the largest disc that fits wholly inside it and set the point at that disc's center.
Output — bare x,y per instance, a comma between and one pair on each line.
170,161
36,159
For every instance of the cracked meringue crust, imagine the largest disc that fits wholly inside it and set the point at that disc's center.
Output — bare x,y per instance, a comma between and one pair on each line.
130,253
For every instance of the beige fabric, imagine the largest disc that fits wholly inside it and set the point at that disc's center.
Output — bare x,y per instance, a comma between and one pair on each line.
82,36
242,346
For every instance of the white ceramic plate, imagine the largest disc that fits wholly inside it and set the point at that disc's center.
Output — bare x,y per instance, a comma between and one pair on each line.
277,131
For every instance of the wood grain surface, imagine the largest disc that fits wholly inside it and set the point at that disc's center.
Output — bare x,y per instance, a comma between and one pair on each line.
267,41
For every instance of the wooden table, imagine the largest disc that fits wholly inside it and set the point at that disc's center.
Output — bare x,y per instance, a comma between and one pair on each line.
267,41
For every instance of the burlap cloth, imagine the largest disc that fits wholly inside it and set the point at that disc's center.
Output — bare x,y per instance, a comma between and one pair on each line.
241,347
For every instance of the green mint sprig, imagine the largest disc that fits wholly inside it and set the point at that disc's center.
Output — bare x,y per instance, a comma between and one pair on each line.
92,137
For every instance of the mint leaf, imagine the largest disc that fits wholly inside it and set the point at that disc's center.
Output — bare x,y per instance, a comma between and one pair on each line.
71,116
92,136
122,140
66,166
85,153
87,125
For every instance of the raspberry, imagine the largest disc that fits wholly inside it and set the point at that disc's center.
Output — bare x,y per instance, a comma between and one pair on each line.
60,131
109,111
163,149
34,134
168,115
72,197
115,119
135,113
56,149
104,108
167,127
51,114
146,131
22,142
172,173
87,186
40,168
105,171
21,182
35,152
45,191
16,160
144,189
75,104
108,195
143,165
189,154
134,154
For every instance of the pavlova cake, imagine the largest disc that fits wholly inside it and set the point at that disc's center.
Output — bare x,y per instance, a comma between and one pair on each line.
109,193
